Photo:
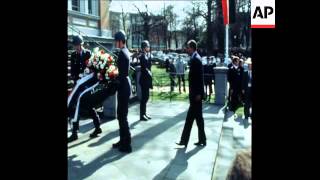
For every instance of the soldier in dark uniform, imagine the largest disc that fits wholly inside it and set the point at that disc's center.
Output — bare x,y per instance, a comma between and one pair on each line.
196,93
124,91
145,79
235,73
83,86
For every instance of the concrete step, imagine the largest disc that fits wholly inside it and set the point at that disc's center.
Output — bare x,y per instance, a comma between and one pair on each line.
236,135
225,155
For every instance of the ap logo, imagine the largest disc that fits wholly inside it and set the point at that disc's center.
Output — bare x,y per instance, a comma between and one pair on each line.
263,14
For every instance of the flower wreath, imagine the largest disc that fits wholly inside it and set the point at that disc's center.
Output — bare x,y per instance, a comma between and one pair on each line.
103,64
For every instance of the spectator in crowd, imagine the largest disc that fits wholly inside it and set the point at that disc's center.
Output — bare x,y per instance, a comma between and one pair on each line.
246,88
180,67
167,64
208,78
207,75
172,75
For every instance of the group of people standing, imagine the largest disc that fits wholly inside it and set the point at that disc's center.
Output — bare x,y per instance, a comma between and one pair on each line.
240,83
85,85
177,70
239,79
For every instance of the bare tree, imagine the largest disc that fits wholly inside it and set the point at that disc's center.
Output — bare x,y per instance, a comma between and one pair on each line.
124,18
146,17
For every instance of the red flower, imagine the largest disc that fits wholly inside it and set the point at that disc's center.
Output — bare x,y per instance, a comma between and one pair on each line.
109,60
113,73
102,52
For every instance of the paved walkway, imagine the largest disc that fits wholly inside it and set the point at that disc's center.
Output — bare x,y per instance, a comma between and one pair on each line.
236,135
155,155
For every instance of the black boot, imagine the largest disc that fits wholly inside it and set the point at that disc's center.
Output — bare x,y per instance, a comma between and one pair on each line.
73,137
116,145
143,118
96,132
200,143
125,148
146,116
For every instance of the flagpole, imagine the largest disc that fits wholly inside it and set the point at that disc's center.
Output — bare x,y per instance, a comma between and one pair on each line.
225,11
226,53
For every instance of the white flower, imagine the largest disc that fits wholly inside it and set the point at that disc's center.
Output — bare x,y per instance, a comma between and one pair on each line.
96,50
101,66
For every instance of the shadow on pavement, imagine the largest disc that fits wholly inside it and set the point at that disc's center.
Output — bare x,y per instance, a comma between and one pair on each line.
82,142
138,141
181,159
78,170
111,135
211,108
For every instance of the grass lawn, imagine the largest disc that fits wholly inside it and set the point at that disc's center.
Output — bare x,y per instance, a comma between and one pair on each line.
161,83
167,95
161,78
240,112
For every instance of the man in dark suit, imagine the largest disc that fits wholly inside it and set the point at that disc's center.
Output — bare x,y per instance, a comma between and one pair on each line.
235,74
246,88
145,79
78,64
196,93
124,91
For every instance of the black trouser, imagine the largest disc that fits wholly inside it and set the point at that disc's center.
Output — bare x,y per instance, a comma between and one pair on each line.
235,100
94,115
144,99
122,112
247,102
194,112
181,78
172,83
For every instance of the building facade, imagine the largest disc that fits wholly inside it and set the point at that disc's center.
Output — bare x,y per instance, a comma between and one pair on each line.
178,40
91,19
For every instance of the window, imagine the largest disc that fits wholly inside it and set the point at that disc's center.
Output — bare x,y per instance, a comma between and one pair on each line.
94,7
75,5
90,6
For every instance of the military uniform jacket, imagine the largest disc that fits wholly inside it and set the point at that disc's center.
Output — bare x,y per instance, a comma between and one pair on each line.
235,78
78,63
146,76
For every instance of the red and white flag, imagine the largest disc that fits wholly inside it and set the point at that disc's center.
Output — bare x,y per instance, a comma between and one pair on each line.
225,11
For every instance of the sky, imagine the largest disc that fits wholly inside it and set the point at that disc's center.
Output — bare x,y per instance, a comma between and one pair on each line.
154,6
